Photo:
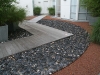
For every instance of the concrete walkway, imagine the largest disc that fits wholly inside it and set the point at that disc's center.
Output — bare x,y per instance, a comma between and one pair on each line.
36,19
42,35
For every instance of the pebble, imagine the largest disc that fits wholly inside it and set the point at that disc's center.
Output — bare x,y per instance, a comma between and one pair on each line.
19,33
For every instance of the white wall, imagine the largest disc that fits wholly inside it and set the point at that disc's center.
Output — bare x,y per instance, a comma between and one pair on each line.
44,4
28,5
65,9
74,9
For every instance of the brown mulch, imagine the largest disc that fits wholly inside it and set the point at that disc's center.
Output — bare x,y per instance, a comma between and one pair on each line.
29,17
89,62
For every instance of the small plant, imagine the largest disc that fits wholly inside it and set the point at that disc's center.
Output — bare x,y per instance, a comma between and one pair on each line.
51,11
95,36
93,6
16,15
5,6
37,10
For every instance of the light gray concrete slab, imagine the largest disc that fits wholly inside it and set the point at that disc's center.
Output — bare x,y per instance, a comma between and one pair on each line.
1,53
36,19
8,48
16,47
3,50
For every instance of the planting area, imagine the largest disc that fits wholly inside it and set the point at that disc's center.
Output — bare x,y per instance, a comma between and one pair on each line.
17,34
48,58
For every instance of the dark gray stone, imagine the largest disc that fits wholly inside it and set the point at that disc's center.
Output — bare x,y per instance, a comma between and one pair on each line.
18,33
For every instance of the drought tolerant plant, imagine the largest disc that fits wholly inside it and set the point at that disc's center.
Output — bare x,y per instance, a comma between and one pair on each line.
5,5
17,15
51,10
95,36
93,6
37,10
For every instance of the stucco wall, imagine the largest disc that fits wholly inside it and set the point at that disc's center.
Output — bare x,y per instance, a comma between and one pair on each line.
65,9
28,5
44,4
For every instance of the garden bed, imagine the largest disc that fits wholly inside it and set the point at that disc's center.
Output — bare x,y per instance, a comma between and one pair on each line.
51,57
17,34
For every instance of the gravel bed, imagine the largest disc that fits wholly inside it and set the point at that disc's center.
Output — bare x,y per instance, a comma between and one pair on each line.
17,34
48,58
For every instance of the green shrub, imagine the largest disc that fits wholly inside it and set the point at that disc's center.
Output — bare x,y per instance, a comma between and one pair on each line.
95,36
51,11
37,10
93,6
5,6
16,14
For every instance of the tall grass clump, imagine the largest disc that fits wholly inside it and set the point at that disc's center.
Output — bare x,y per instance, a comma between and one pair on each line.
95,36
51,10
37,10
